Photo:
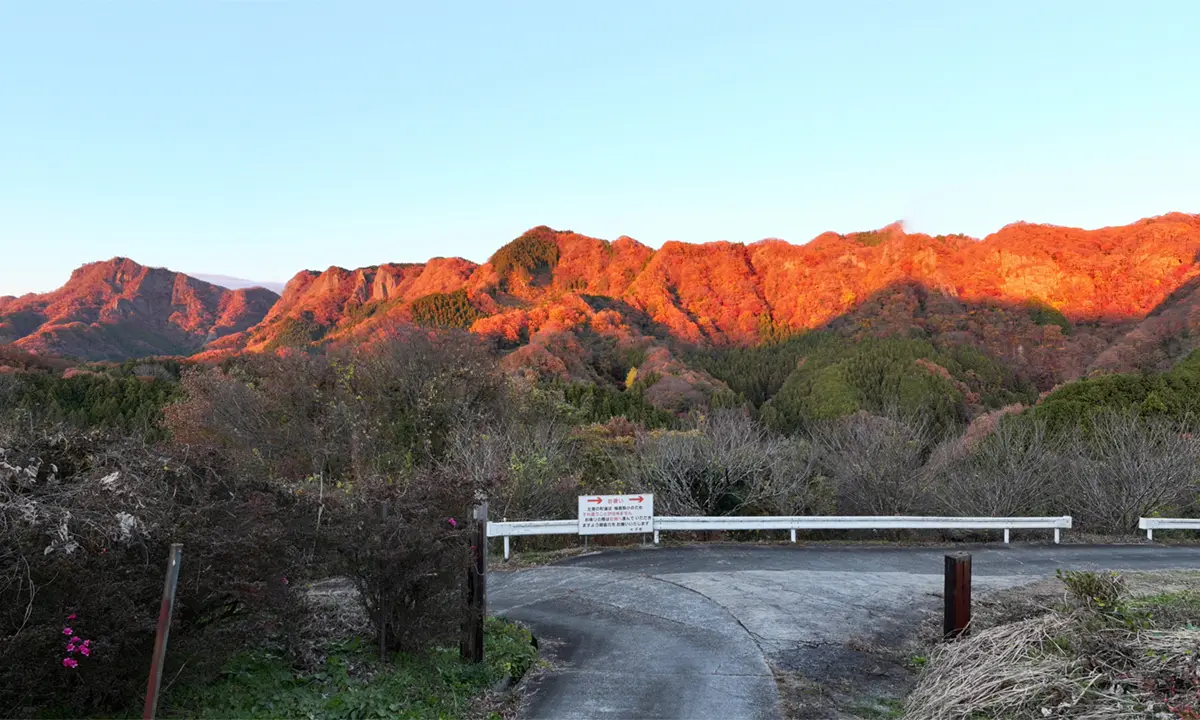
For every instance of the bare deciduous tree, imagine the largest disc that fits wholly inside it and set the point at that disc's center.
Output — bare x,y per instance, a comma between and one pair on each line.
1009,473
727,464
1129,467
877,462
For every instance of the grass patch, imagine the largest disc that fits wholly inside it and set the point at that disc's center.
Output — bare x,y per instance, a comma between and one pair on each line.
1113,647
354,684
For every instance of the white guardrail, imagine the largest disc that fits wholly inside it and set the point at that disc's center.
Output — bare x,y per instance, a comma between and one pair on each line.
507,530
1152,524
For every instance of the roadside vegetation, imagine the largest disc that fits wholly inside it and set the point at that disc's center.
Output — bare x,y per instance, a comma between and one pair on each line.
1103,651
274,471
351,682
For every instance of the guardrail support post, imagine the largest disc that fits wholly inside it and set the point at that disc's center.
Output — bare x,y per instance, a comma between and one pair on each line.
656,537
1056,536
1005,536
1150,534
957,595
793,534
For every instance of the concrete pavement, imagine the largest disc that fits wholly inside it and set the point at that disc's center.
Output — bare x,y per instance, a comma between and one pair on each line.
687,632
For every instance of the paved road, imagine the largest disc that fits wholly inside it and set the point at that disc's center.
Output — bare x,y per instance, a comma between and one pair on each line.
688,632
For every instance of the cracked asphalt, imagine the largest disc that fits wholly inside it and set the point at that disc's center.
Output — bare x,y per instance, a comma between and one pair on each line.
690,632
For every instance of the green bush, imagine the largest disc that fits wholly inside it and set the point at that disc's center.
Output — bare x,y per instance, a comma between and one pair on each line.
1094,590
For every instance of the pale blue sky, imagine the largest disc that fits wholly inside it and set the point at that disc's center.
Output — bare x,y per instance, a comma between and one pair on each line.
259,138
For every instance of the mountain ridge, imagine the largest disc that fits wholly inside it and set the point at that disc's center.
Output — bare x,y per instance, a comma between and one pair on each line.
552,293
117,309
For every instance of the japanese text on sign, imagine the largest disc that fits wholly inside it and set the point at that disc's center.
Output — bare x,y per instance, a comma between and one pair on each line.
611,514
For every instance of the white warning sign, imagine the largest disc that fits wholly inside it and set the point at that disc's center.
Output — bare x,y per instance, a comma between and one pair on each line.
611,514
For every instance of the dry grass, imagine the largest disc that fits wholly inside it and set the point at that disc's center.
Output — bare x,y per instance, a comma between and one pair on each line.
1137,659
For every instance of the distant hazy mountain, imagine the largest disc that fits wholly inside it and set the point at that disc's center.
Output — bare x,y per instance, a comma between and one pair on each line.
234,283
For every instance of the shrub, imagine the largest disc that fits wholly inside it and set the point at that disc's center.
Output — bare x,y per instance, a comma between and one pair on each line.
1094,590
87,519
354,432
377,410
406,546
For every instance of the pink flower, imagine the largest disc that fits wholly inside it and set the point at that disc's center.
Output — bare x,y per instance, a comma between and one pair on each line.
68,631
85,650
71,616
284,580
75,639
453,524
70,662
87,642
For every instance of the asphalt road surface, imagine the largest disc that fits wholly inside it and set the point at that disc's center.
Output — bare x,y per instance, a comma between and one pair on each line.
688,632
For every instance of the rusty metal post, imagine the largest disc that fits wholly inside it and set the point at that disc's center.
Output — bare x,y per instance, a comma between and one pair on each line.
471,647
957,595
165,610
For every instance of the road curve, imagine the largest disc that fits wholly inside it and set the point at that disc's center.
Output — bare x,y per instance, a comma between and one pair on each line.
687,632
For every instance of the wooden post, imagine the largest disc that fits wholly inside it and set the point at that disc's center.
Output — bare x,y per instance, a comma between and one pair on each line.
165,610
471,648
957,595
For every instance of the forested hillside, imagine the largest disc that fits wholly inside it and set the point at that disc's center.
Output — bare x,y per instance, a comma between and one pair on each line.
1050,304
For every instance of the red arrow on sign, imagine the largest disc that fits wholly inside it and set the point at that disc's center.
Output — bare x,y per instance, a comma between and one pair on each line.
637,499
595,500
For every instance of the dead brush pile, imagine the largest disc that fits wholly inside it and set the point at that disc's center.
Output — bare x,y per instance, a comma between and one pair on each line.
1100,656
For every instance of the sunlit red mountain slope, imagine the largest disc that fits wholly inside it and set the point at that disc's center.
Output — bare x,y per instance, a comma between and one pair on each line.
1056,302
119,309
